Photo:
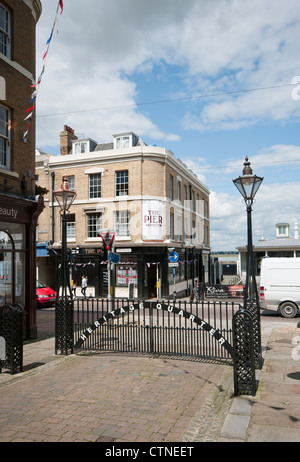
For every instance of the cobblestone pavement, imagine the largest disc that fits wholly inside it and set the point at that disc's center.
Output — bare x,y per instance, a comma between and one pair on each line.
102,397
118,398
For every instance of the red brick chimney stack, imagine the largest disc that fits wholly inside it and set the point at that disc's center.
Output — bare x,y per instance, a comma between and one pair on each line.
66,138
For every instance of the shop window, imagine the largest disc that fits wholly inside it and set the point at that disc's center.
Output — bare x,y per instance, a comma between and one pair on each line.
12,264
126,275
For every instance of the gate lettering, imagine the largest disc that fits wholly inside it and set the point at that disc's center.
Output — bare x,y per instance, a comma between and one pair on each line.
203,325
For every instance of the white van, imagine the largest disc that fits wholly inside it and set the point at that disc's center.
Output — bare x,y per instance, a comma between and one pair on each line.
280,285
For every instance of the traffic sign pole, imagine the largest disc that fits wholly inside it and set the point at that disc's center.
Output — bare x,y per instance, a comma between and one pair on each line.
173,259
108,240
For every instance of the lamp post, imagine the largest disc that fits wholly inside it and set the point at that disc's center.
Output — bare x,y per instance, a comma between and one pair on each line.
248,185
64,301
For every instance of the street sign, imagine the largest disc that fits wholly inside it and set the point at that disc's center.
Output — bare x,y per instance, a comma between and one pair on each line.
107,239
173,257
114,257
173,265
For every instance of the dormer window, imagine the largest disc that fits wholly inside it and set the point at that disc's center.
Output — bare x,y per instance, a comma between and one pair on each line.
125,140
80,147
122,142
282,230
83,146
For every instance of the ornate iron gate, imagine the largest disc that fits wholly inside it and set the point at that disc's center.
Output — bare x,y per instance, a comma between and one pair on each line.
168,328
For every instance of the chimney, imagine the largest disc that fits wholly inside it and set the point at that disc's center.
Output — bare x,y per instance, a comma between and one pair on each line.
66,138
296,231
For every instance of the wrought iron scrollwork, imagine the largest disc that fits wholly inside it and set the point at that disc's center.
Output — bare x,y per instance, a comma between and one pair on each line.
244,354
11,334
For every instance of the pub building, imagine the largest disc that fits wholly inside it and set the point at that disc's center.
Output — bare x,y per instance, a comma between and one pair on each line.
144,196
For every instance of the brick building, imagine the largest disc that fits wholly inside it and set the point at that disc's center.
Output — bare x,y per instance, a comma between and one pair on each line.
19,207
149,198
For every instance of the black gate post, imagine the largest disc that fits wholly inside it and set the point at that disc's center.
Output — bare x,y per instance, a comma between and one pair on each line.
243,353
11,331
64,305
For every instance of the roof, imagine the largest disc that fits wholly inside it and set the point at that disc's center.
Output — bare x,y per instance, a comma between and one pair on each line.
276,243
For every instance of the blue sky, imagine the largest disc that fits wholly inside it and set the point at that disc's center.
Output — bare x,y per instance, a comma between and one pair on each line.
211,81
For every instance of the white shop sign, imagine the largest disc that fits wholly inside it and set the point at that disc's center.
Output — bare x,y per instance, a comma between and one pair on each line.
153,220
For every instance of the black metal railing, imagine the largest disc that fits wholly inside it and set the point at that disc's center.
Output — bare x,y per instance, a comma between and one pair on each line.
198,329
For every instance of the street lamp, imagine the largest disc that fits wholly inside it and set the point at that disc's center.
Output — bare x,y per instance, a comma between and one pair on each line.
64,301
248,185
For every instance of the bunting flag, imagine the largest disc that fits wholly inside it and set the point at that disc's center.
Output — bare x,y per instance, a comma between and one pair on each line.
60,7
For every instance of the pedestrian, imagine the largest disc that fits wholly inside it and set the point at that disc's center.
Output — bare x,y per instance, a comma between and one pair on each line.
84,285
192,296
197,291
74,285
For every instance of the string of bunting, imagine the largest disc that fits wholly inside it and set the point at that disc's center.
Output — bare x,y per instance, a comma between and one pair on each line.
29,110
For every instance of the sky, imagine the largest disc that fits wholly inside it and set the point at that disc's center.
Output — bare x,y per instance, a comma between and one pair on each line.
210,81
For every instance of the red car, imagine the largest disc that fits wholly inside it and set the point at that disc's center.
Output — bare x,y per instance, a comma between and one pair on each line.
44,295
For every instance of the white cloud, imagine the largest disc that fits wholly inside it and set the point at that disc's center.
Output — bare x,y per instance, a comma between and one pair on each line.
222,45
273,204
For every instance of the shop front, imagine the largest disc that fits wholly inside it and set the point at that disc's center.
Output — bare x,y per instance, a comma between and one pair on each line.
18,221
142,272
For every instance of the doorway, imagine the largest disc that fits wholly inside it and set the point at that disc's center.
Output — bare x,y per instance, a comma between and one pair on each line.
151,280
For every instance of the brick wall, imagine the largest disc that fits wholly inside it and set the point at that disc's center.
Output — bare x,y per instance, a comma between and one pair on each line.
19,72
147,178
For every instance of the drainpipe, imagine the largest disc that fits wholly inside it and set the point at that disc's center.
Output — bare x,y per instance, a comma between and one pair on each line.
53,188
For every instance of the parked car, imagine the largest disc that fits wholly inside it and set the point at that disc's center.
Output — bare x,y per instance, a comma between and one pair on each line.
280,285
45,296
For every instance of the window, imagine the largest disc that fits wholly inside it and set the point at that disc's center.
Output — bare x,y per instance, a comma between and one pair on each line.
184,195
71,227
193,201
179,221
94,224
179,191
122,142
81,147
4,138
282,230
193,231
4,31
122,183
171,225
95,185
171,188
122,223
71,181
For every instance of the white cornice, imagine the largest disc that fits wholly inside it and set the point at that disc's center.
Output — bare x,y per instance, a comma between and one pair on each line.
36,8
